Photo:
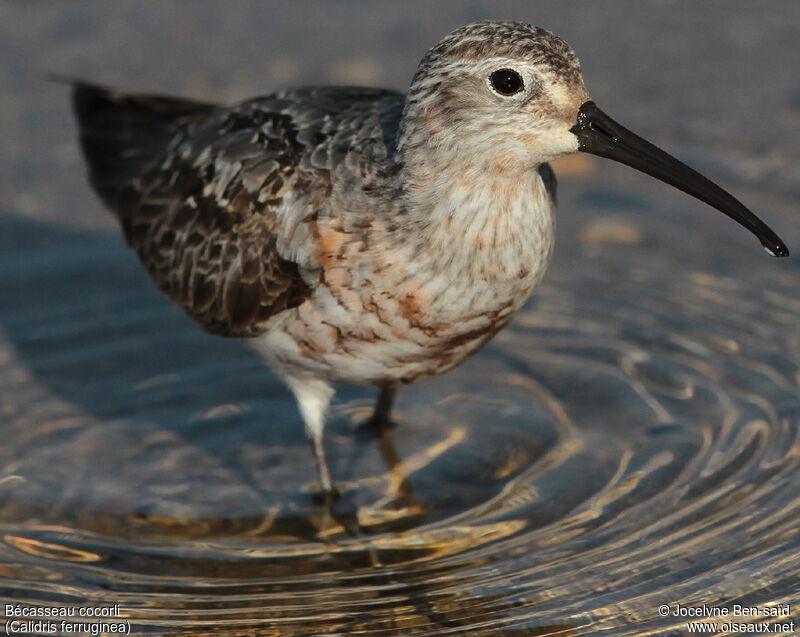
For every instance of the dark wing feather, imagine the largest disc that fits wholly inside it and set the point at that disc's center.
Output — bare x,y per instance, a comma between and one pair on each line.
196,188
549,179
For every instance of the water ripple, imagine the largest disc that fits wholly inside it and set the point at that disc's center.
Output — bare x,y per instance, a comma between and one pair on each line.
631,440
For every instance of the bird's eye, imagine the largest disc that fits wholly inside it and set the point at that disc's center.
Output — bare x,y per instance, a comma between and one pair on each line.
506,82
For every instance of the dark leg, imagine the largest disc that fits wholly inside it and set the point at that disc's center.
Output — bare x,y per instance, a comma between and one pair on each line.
380,425
382,416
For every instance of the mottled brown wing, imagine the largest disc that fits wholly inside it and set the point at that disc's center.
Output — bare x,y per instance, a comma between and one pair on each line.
196,188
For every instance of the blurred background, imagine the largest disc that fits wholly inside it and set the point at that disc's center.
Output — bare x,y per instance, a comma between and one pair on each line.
630,440
714,79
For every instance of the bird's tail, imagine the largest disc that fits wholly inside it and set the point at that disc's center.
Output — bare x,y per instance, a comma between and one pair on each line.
124,136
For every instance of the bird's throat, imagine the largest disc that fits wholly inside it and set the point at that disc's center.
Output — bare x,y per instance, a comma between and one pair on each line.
490,235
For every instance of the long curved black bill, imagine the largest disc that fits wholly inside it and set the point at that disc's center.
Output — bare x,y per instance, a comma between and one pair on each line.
600,135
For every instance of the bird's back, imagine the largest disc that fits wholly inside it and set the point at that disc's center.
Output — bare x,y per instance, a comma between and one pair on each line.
214,199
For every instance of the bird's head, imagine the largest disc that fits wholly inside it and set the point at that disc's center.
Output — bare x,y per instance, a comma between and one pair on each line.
505,97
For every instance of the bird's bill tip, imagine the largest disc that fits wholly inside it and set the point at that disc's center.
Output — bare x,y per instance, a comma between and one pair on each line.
779,250
600,135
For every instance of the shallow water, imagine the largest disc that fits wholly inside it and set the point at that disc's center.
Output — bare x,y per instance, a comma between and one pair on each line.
630,440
